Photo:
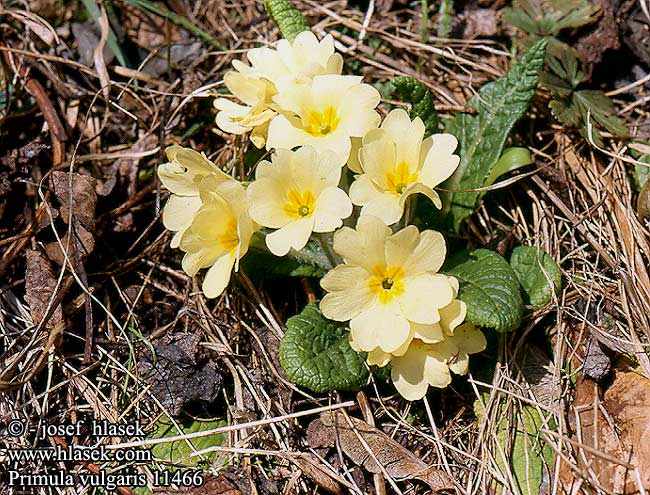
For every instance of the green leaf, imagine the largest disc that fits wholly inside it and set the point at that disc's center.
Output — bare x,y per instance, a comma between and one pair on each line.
310,261
173,452
482,137
489,287
550,17
641,172
534,267
149,6
288,18
316,354
415,93
512,159
575,107
529,457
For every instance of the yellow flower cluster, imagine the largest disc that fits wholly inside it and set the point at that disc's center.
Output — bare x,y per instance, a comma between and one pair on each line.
294,101
400,309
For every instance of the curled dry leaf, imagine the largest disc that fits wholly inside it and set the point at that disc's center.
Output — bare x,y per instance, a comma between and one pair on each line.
318,472
627,401
77,202
40,284
626,405
399,462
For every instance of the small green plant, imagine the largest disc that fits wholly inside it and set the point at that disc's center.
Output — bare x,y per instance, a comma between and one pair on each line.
571,103
574,106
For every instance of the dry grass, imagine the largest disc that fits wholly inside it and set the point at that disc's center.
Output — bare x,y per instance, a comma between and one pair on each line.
579,208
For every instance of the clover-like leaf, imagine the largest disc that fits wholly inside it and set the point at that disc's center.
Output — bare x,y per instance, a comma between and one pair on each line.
538,273
489,287
415,93
315,353
482,136
288,18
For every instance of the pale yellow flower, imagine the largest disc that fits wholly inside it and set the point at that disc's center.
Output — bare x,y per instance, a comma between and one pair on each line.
396,162
270,69
219,234
387,282
324,114
451,316
182,175
424,365
297,194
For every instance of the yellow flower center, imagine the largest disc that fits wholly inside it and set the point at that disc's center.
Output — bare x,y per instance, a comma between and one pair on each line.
386,282
322,123
229,237
399,178
300,204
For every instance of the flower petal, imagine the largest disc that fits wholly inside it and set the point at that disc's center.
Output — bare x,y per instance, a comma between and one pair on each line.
179,211
293,235
423,296
365,245
363,190
407,136
218,276
428,255
407,373
347,303
418,188
386,207
381,325
436,370
332,206
400,245
439,160
429,334
452,315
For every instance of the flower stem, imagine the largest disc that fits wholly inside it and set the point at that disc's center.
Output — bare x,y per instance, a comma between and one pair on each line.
332,257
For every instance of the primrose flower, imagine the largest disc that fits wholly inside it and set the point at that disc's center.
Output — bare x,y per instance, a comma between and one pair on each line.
396,162
424,365
451,316
297,194
256,84
324,114
182,175
219,234
387,282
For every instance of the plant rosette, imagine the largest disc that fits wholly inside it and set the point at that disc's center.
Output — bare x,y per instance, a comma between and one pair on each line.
390,295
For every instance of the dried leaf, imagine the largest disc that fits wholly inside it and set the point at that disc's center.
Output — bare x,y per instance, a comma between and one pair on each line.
81,197
623,433
78,200
627,401
318,472
396,460
40,283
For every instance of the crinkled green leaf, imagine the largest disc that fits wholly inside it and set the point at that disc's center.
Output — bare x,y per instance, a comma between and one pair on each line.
489,287
316,354
288,18
174,452
538,273
529,457
482,136
412,91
